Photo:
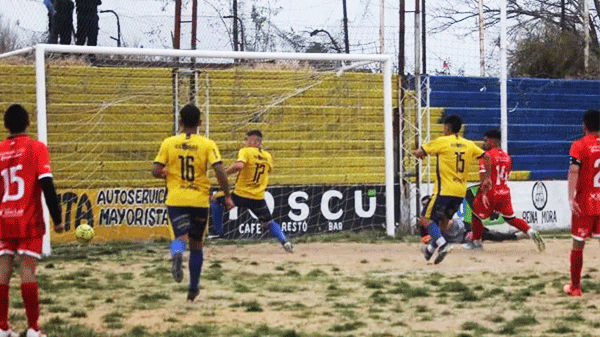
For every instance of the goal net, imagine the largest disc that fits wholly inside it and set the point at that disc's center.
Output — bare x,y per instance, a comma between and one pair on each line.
104,112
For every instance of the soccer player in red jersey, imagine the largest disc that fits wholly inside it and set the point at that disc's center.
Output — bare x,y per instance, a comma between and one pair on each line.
584,194
25,173
494,194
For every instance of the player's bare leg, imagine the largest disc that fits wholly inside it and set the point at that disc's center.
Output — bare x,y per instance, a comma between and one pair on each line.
576,259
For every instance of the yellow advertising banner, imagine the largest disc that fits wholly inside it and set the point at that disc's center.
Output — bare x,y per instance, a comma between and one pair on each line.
116,214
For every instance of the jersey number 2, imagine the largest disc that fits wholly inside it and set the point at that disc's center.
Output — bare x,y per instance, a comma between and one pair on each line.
10,176
597,176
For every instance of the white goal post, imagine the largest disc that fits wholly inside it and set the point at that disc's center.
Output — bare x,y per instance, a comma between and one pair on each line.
347,60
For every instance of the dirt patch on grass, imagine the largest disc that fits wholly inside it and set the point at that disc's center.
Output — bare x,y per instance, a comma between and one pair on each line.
325,289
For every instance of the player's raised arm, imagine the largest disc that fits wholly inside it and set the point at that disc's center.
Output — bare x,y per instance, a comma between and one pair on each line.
235,167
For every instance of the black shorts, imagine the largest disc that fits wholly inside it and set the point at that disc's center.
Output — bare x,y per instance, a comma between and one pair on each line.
442,208
257,206
188,220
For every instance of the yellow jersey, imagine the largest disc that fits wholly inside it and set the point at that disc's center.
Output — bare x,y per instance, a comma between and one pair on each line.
454,156
253,179
186,158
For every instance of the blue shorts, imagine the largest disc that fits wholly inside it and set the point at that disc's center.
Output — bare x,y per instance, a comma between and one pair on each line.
188,220
442,207
257,206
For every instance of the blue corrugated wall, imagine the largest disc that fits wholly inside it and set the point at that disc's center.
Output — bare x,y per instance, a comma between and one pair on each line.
544,116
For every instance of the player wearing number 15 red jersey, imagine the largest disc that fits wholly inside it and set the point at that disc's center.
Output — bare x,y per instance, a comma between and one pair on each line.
25,173
494,193
584,194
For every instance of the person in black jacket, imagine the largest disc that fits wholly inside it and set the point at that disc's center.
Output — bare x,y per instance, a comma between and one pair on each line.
87,22
62,22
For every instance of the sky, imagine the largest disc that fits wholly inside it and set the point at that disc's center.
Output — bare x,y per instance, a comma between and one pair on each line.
149,23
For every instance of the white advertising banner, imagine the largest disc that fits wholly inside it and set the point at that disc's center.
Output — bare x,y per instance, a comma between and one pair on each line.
543,204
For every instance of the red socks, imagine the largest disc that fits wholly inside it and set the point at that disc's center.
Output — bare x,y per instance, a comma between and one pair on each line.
477,228
520,224
576,265
29,292
4,306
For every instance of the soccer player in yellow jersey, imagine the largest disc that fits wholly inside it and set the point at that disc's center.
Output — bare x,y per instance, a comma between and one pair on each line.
254,166
182,161
454,155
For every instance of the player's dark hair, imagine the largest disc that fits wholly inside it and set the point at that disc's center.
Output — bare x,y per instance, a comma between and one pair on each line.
493,134
16,118
256,133
591,120
190,115
454,121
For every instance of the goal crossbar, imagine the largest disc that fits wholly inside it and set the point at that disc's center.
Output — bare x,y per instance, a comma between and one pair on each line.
386,67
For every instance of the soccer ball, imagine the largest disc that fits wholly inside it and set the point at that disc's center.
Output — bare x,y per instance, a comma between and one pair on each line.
84,233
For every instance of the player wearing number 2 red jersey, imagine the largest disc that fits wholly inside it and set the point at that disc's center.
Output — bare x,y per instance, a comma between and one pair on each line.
25,173
584,194
494,193
254,166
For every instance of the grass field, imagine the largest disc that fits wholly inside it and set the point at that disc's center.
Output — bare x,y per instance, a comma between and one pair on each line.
376,287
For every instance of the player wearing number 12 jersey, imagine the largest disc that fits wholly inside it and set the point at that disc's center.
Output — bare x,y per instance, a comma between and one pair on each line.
25,173
183,160
584,194
454,156
494,193
254,166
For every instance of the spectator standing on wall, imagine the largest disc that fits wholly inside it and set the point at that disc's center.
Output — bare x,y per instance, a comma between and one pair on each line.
87,22
51,12
62,22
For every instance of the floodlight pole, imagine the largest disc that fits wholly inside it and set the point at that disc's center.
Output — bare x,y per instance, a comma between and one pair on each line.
346,40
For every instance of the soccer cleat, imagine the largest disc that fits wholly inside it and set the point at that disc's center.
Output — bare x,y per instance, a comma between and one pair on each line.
573,292
8,333
192,294
288,247
426,253
473,245
176,268
442,252
34,333
537,238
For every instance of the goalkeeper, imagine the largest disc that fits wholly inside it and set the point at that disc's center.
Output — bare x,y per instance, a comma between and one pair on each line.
254,166
459,231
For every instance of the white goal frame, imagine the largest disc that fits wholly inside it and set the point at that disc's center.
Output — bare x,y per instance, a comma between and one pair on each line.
385,60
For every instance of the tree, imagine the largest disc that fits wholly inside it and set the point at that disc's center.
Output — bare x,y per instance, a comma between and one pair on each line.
534,25
550,53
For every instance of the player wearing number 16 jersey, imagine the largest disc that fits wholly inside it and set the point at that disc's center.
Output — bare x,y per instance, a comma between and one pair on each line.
494,194
454,156
254,166
584,194
182,161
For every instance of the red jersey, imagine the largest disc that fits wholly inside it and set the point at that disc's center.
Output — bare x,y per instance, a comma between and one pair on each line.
23,162
585,153
500,165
